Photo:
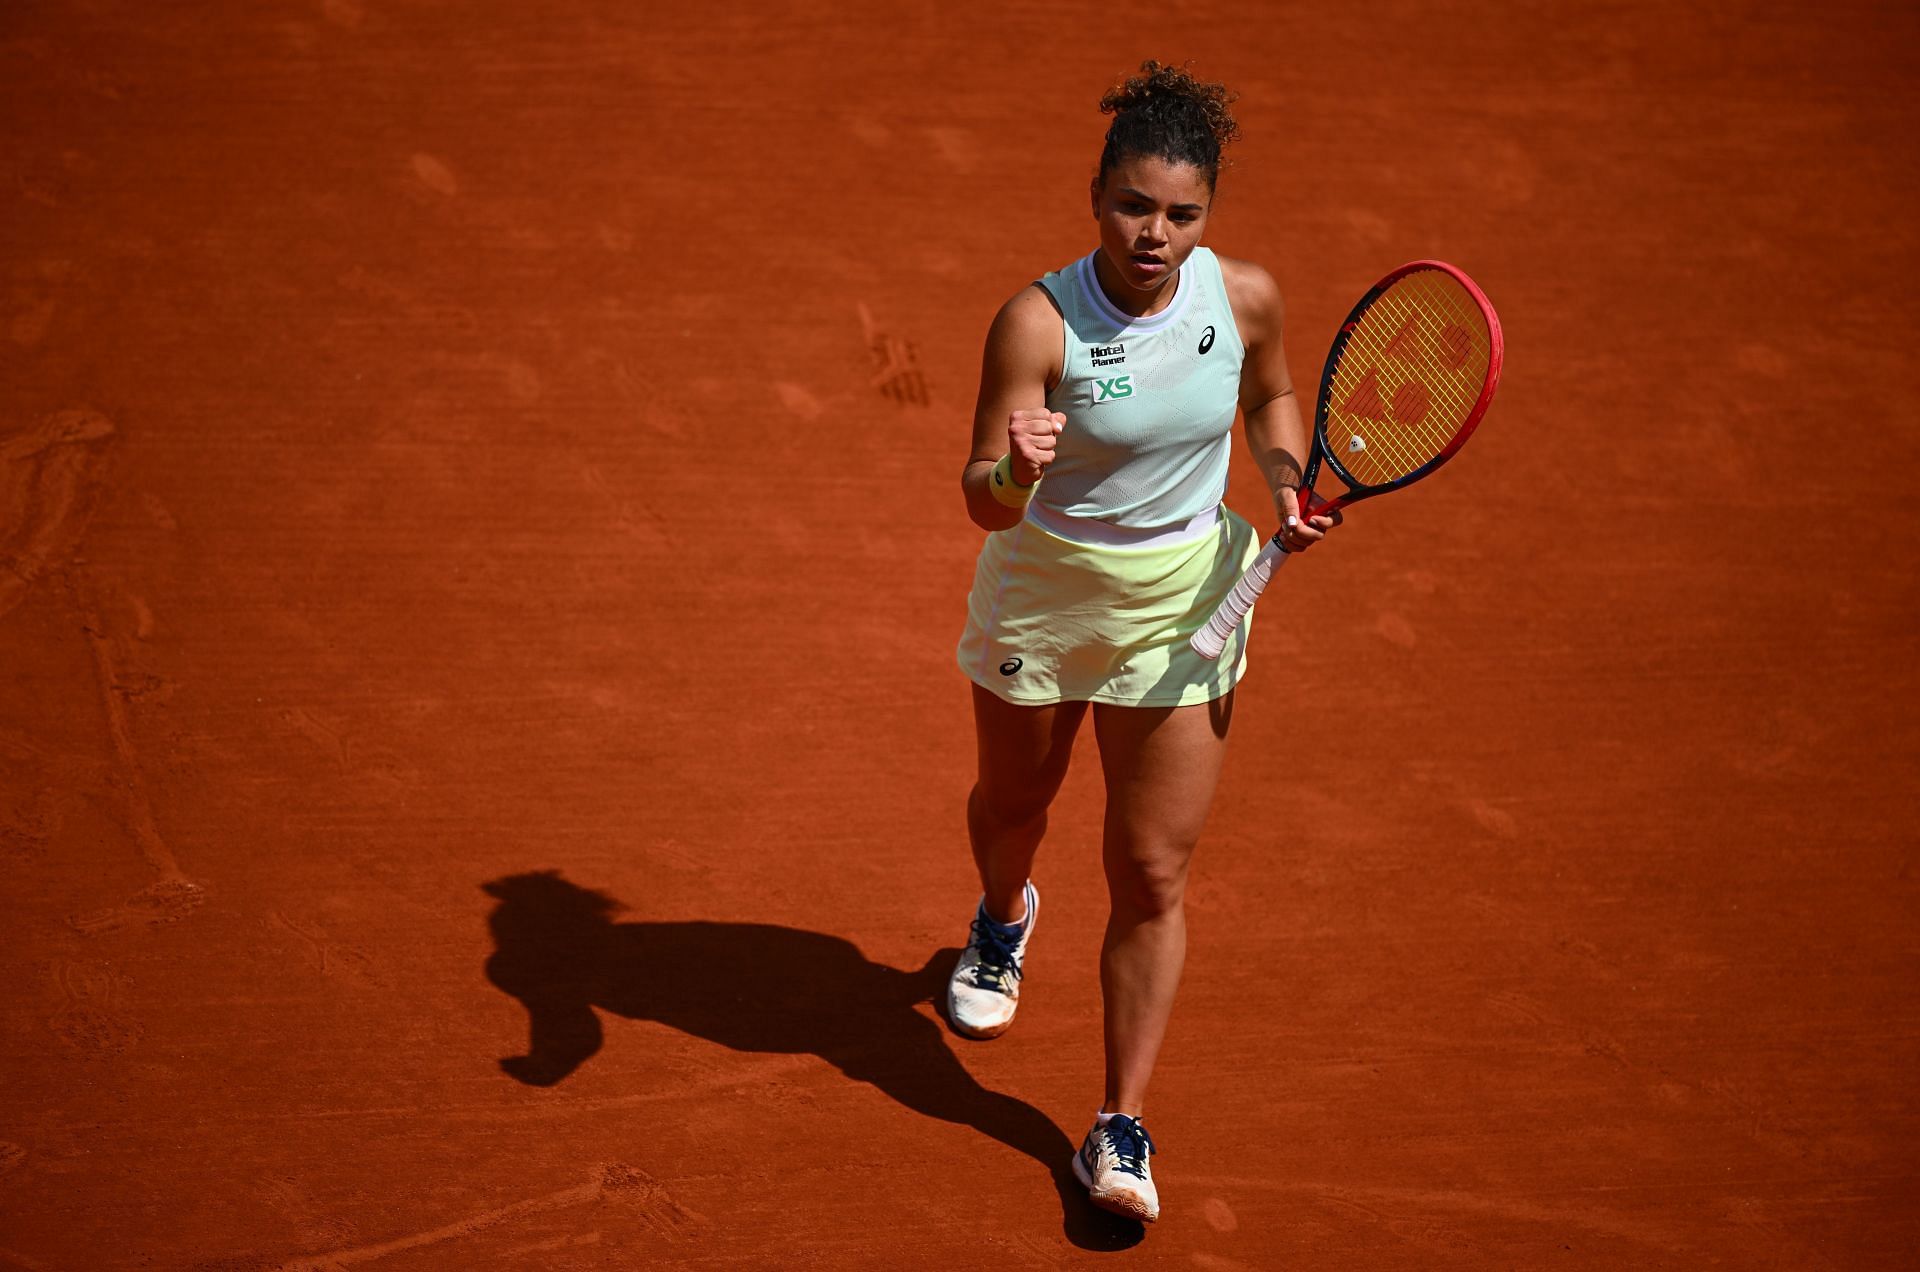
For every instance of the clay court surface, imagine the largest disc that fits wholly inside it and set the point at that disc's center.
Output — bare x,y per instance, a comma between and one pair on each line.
479,531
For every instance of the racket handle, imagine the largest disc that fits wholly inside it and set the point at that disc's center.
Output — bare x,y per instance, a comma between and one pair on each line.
1210,640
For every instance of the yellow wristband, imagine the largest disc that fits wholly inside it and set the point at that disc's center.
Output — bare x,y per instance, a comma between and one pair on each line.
1008,491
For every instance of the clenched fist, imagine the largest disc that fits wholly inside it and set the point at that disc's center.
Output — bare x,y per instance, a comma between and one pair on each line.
1031,438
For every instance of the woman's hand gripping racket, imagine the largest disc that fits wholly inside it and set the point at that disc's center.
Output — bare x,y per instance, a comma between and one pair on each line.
1410,374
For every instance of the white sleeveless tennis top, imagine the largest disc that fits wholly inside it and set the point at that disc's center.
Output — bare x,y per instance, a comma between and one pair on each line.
1149,402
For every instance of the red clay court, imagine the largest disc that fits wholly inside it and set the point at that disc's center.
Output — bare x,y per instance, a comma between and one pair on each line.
441,593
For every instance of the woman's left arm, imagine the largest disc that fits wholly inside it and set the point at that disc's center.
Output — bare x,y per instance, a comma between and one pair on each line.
1277,435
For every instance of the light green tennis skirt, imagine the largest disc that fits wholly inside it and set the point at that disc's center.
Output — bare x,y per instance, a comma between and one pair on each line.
1051,619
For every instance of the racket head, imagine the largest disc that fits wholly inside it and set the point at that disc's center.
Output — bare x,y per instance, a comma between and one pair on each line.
1408,379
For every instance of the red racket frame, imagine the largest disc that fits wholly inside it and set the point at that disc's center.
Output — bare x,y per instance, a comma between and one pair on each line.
1356,491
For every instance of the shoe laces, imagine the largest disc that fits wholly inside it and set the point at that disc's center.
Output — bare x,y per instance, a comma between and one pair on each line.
1130,1143
998,955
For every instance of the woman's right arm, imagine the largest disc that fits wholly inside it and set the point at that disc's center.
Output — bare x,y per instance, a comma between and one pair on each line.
1022,362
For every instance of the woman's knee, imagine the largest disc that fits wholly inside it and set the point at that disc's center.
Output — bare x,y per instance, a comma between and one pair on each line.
1149,885
1013,804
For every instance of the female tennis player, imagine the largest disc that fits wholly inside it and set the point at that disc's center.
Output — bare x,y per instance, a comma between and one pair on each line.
1100,446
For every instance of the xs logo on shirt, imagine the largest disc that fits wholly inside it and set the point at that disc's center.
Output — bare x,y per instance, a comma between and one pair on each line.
1121,386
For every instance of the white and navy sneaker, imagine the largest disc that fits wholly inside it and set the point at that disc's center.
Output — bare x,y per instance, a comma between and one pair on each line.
984,989
1112,1163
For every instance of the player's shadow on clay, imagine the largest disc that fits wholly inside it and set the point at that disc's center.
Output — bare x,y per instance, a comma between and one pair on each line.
760,988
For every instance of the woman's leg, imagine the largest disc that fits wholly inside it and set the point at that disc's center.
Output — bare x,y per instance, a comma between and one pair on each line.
1023,759
1161,766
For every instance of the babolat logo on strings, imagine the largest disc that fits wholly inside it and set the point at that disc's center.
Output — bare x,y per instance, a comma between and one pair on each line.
1109,355
1121,386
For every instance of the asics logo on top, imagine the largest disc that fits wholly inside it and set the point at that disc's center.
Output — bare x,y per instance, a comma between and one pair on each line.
1010,666
1206,341
1121,386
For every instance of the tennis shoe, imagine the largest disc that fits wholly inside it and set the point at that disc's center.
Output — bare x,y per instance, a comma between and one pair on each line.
984,990
1112,1163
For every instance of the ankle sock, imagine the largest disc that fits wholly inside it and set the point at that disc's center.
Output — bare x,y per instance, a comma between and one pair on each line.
1012,931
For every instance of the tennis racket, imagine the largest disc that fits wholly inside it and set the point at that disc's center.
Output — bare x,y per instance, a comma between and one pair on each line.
1408,378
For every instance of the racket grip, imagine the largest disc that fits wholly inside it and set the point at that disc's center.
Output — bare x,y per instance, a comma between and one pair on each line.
1210,640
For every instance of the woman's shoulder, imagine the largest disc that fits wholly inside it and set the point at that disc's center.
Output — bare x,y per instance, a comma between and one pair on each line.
1030,311
1024,342
1247,279
1253,293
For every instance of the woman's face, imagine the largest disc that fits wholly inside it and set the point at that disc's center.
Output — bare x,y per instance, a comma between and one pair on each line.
1151,213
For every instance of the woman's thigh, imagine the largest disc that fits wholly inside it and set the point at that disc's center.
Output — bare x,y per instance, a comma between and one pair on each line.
1023,752
1161,765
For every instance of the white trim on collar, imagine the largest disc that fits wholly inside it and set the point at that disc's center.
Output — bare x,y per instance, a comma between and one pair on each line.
1089,282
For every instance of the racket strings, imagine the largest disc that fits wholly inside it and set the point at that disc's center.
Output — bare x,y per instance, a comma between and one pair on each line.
1401,332
1400,335
1411,371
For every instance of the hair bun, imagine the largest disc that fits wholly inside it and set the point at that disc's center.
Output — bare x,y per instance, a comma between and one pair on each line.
1171,91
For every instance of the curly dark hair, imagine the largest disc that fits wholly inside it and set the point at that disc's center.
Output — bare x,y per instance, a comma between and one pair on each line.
1166,113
